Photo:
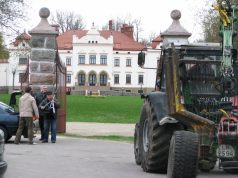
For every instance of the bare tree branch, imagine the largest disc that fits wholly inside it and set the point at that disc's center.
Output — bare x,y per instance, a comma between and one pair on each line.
68,21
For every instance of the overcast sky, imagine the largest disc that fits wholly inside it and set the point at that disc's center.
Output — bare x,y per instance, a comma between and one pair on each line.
154,14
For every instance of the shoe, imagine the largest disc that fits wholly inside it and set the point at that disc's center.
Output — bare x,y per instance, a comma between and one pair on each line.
44,141
41,139
33,143
53,141
16,143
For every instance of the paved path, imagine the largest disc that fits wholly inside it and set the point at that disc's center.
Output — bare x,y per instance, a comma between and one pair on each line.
79,158
92,129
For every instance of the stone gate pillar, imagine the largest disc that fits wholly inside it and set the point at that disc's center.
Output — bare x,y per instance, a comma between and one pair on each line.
176,33
43,53
42,60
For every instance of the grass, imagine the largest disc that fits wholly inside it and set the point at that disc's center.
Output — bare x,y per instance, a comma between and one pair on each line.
5,98
110,137
110,109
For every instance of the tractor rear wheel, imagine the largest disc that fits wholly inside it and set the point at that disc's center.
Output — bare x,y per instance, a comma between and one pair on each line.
154,140
183,155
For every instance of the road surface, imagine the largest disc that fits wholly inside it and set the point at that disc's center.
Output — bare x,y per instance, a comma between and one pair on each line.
79,158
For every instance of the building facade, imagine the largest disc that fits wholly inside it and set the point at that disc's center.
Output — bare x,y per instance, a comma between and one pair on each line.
13,69
106,61
100,62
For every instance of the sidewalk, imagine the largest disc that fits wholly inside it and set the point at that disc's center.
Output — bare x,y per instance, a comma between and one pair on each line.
102,129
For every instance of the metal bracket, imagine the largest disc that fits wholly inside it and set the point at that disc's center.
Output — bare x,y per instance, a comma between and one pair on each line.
167,120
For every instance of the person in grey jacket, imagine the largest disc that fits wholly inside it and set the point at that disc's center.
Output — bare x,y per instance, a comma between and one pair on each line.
27,107
40,97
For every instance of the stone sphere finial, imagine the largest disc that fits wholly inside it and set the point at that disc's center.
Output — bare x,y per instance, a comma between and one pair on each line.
44,12
175,14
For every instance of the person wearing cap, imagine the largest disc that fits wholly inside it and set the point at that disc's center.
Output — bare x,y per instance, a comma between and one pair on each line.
49,106
27,106
40,97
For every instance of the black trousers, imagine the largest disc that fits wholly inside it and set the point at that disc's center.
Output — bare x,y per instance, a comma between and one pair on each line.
41,124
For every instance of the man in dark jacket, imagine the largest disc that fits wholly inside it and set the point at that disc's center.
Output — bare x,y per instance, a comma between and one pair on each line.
49,107
39,98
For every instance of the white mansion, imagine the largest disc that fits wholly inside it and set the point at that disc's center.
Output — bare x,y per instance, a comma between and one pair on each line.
96,61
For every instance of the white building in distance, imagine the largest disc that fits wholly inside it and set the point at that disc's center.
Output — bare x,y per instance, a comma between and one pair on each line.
103,62
106,61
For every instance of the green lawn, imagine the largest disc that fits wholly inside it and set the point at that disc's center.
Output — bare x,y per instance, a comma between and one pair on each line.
111,109
5,98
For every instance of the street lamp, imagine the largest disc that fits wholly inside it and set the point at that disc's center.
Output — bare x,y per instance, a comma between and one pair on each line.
14,69
13,78
122,91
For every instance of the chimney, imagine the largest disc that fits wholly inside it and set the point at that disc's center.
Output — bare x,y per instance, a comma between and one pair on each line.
128,30
56,27
110,25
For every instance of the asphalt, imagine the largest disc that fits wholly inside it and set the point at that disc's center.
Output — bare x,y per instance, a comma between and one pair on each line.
79,158
99,129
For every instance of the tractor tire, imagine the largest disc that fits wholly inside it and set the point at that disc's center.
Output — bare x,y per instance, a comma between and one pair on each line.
183,155
6,135
154,140
136,145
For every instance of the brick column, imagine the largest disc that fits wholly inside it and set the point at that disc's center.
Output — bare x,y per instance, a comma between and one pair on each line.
42,60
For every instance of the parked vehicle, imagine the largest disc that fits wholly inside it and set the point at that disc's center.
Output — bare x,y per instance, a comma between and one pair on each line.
9,120
191,121
3,164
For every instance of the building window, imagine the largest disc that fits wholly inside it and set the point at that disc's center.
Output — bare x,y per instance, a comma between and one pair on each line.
21,75
81,59
23,61
68,78
81,79
103,79
128,62
116,62
68,61
92,59
92,79
128,78
140,79
103,59
116,79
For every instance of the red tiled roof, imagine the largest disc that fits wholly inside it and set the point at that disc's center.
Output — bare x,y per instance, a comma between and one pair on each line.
120,41
65,40
20,38
156,42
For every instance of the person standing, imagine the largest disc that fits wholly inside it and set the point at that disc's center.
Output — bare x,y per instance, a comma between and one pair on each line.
39,98
27,106
49,106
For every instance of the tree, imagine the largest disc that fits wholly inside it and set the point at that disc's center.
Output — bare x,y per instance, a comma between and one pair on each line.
210,22
137,27
4,54
11,11
68,21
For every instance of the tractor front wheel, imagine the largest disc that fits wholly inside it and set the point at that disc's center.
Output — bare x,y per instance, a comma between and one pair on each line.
183,155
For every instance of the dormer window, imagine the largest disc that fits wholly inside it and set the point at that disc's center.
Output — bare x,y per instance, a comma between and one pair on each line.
89,41
92,41
96,41
23,44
